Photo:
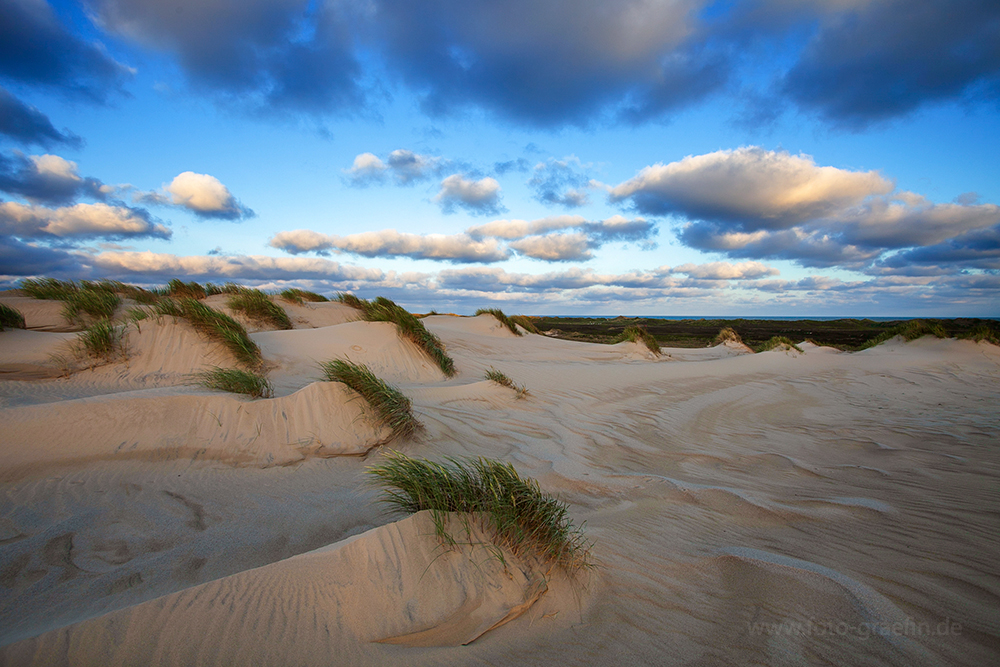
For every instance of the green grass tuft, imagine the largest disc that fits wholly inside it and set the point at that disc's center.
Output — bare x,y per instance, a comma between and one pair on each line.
391,407
384,310
983,333
103,340
182,290
525,323
910,330
503,379
638,334
503,319
520,517
236,381
258,306
94,301
213,324
48,288
10,318
300,296
775,342
727,334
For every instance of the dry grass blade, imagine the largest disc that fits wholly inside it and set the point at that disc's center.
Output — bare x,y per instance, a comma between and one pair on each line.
392,408
503,319
521,517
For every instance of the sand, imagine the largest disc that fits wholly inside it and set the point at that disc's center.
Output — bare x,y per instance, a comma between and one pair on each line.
781,508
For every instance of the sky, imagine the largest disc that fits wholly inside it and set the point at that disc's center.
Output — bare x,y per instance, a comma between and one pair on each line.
600,157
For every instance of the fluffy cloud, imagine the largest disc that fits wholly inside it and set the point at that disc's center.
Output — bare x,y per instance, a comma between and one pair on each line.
756,188
405,167
752,203
459,248
555,247
28,125
77,222
726,271
202,194
561,182
47,179
480,197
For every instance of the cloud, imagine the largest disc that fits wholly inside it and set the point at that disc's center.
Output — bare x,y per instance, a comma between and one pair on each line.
28,125
520,164
884,59
555,247
202,194
47,179
756,188
27,259
271,55
405,167
516,229
480,197
726,271
457,248
81,221
36,49
977,249
561,182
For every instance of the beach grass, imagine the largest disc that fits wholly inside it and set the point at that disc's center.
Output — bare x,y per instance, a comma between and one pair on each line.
10,318
639,334
103,340
983,333
501,317
96,302
383,310
236,381
910,330
179,289
211,323
392,408
48,288
525,323
259,307
300,296
501,378
777,342
725,335
513,508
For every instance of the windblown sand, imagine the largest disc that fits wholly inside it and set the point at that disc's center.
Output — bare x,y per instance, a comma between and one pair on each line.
782,508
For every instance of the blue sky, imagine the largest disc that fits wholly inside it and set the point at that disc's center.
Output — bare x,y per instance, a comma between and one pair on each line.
769,157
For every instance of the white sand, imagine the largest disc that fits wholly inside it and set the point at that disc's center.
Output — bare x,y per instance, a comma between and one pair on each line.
779,508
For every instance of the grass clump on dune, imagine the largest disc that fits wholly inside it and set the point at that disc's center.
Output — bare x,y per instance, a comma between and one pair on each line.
182,290
258,306
392,408
384,310
983,333
777,342
910,330
639,334
525,323
217,326
48,288
503,379
300,296
503,319
103,340
96,302
519,515
236,381
727,335
10,318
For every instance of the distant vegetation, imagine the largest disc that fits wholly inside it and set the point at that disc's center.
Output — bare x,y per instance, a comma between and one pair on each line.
910,330
384,310
639,334
236,381
300,296
514,509
502,379
503,319
391,407
777,342
258,307
727,335
10,318
525,323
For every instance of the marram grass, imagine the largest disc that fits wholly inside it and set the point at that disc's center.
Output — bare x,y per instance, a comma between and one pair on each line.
384,310
525,323
503,319
103,340
98,303
211,323
236,381
504,380
727,334
639,334
777,342
391,407
10,318
258,306
514,509
910,330
300,296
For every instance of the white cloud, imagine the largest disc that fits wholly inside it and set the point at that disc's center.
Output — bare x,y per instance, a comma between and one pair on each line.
389,243
205,196
405,167
726,270
480,197
555,247
79,221
517,229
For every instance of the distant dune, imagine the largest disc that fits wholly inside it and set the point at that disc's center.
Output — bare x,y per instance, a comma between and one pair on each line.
797,506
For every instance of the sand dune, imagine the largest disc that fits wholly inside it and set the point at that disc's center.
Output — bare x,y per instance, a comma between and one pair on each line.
814,507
